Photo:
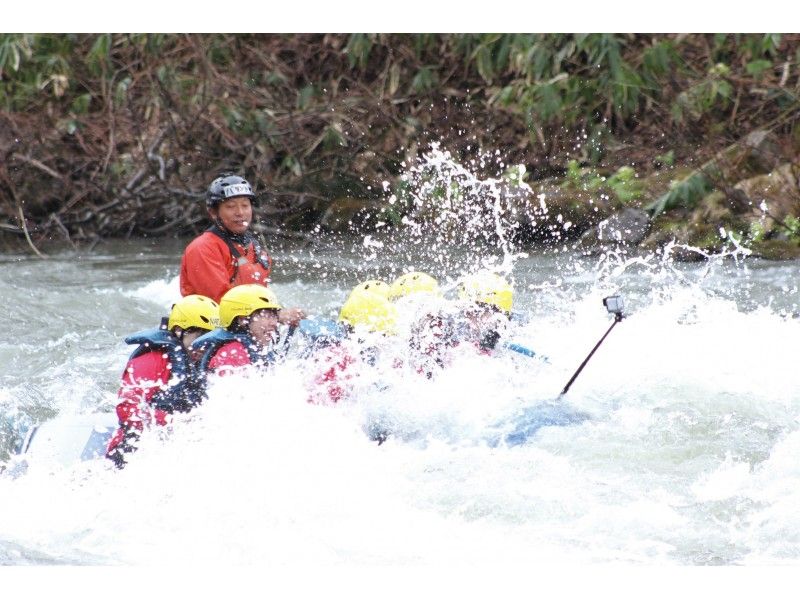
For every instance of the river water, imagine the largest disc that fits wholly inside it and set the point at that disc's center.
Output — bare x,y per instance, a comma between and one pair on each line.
677,444
687,454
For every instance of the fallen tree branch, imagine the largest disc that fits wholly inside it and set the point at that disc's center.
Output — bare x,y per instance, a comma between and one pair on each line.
36,164
191,194
27,236
163,228
54,218
280,232
10,228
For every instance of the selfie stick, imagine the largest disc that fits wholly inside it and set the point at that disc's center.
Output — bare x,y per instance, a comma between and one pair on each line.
616,309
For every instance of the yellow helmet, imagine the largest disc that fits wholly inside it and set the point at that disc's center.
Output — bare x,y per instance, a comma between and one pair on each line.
488,288
243,300
413,282
369,310
194,311
375,286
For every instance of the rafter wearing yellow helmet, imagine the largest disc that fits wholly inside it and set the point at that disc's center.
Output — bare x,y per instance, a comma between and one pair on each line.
370,311
161,373
243,300
374,286
249,315
487,288
194,311
413,282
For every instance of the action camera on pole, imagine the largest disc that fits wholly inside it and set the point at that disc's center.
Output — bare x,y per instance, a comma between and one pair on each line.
614,304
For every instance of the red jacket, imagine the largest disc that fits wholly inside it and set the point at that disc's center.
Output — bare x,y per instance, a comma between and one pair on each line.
209,268
332,380
337,369
143,377
230,355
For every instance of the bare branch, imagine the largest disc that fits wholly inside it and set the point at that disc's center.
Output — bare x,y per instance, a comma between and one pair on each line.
36,164
27,236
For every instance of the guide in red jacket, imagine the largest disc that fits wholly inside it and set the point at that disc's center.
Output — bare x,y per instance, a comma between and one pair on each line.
228,254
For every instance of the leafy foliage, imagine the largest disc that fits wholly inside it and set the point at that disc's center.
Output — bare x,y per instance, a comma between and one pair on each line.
623,183
141,117
792,224
682,194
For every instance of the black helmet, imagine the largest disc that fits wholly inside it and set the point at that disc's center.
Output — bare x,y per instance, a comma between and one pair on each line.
227,186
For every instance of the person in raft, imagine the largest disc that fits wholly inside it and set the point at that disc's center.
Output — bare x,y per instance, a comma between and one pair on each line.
429,320
160,376
487,299
366,319
228,254
249,316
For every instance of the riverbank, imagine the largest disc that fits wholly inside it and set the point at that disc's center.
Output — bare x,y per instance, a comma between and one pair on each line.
117,136
748,195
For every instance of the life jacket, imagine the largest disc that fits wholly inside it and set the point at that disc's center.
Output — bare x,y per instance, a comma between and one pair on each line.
182,396
189,389
248,271
210,342
161,339
335,376
318,333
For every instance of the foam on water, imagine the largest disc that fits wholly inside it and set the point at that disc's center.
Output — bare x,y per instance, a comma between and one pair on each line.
685,451
687,456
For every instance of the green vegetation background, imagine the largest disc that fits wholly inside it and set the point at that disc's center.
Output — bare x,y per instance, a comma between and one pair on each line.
110,135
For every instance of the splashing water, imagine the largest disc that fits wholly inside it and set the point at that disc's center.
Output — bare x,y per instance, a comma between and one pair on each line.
684,451
452,209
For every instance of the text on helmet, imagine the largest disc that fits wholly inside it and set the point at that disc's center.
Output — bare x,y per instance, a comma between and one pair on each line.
237,189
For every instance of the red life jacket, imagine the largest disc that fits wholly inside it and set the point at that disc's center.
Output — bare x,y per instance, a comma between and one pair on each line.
331,382
143,377
213,263
230,355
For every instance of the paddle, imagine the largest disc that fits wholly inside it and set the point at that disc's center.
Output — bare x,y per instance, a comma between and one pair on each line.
288,338
614,304
527,352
